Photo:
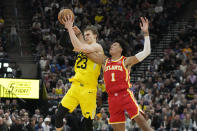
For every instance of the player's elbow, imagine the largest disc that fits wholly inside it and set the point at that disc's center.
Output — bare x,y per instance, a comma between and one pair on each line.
147,54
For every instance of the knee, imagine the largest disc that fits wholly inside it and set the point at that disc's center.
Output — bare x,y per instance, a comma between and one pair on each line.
62,111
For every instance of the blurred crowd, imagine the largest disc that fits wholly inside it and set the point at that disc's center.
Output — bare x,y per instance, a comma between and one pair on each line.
2,36
14,70
168,91
14,118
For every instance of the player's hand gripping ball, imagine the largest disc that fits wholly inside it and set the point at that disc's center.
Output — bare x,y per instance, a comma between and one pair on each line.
65,12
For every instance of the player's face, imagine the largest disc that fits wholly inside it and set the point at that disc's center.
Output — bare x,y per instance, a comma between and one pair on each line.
89,36
115,48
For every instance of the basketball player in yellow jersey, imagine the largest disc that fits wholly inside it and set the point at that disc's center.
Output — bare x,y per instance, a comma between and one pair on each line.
84,83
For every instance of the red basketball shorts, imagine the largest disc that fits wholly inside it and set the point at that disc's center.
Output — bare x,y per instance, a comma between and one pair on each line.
119,103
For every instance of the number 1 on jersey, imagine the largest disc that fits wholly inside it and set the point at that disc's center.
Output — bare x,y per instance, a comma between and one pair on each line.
113,77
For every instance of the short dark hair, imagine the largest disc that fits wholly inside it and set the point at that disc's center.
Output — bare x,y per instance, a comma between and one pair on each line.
122,45
92,28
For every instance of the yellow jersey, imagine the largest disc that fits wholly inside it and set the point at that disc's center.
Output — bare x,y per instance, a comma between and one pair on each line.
86,71
59,91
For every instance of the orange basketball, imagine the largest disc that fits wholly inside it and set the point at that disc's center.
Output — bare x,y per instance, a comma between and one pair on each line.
65,12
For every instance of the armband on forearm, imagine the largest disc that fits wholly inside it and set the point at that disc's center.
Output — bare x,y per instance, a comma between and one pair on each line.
147,49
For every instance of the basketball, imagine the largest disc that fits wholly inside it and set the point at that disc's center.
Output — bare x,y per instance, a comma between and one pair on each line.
65,12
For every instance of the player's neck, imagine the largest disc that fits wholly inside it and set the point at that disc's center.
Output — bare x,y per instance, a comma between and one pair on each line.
92,42
114,58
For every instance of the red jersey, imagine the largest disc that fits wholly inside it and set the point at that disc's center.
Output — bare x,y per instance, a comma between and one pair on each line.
116,76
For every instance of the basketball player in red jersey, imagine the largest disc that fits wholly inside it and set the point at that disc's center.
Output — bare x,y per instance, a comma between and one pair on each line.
117,81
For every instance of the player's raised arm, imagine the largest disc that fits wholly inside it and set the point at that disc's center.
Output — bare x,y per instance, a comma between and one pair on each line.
77,44
79,35
132,60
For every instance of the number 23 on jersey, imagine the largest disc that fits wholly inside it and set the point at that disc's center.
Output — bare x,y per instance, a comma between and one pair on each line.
82,61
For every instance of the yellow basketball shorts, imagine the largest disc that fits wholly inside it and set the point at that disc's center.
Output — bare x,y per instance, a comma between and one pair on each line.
81,95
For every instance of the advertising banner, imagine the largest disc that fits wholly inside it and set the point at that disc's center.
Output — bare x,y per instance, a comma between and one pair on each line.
19,88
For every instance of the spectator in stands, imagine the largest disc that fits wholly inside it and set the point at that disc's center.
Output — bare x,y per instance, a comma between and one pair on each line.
13,35
192,78
7,105
156,120
37,114
187,51
46,124
7,119
14,105
39,126
3,126
187,121
53,97
17,125
43,63
32,124
66,127
176,123
2,21
183,66
60,90
148,96
2,53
